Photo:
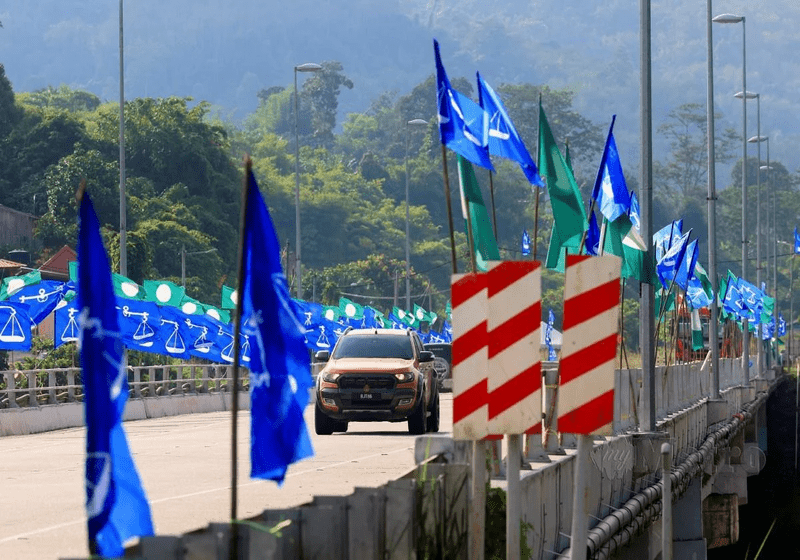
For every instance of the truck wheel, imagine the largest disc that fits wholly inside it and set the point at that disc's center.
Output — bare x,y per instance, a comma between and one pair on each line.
340,426
323,425
433,419
417,420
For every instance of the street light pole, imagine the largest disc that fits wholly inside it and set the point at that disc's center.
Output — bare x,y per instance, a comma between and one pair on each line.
713,323
756,139
307,67
730,18
123,227
408,237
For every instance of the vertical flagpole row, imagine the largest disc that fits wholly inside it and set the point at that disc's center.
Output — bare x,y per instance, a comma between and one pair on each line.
237,329
449,209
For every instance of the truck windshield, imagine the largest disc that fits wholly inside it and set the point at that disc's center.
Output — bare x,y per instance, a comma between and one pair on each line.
374,347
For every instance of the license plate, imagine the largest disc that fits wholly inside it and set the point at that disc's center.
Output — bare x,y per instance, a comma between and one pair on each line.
365,396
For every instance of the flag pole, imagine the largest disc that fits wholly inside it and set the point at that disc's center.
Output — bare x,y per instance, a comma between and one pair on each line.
491,195
237,328
449,209
537,189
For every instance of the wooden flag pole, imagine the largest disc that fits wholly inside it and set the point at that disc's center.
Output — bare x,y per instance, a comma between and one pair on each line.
237,329
449,209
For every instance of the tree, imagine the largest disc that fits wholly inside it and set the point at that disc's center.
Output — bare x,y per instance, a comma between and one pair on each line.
63,97
685,173
9,112
322,93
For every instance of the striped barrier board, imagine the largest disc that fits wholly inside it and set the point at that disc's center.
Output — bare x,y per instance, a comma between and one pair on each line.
468,299
591,314
513,325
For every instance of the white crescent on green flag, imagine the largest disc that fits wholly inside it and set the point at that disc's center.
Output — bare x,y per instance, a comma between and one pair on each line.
350,309
229,298
13,284
164,292
697,330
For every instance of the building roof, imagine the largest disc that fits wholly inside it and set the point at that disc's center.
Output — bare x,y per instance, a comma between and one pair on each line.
57,266
7,264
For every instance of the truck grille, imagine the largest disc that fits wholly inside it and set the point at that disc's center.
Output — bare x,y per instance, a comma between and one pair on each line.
375,382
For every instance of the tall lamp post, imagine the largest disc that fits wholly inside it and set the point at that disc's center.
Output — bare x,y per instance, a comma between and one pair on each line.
307,67
756,139
412,122
123,227
713,328
730,18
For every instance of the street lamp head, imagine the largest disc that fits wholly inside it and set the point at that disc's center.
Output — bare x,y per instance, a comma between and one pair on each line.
750,95
766,168
728,18
417,122
755,139
308,67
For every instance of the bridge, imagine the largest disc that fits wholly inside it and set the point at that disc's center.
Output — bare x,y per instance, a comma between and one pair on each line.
716,445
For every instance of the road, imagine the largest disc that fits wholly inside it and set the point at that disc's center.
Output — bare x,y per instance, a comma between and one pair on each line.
184,463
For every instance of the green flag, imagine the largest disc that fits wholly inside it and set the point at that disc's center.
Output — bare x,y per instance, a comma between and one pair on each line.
697,330
569,215
164,292
483,241
406,316
331,312
420,314
623,240
125,287
670,302
229,298
350,309
13,284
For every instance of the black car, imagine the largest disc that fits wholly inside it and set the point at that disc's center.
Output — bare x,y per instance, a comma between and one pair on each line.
442,363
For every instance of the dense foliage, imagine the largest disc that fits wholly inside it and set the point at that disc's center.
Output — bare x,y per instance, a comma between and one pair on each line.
183,183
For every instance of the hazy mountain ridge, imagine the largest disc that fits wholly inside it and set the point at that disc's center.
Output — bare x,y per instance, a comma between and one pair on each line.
225,54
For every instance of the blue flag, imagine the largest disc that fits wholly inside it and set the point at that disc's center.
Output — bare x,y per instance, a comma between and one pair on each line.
635,214
116,506
280,371
667,267
504,140
685,270
781,325
526,243
463,124
664,238
65,322
15,326
551,352
796,241
593,236
40,298
610,191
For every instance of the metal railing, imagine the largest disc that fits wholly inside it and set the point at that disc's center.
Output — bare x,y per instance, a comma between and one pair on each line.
25,388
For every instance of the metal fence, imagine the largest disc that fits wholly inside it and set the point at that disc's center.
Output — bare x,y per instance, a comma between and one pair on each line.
24,388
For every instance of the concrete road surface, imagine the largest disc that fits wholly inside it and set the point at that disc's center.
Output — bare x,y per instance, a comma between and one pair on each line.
184,463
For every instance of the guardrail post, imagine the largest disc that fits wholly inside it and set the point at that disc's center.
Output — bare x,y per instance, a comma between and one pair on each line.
32,400
151,381
51,382
11,389
205,375
70,385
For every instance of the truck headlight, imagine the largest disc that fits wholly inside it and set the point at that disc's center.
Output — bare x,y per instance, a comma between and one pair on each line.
404,377
330,377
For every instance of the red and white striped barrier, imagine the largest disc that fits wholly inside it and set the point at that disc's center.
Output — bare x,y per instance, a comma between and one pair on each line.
468,298
591,313
514,322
